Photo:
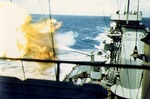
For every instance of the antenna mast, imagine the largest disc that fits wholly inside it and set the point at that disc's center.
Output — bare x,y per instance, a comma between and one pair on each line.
128,11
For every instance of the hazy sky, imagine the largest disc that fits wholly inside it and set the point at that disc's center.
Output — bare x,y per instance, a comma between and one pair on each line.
82,7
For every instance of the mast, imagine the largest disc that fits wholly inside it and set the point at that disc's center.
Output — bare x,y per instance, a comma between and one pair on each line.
128,4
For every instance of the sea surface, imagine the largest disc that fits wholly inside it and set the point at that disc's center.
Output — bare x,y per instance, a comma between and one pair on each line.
81,33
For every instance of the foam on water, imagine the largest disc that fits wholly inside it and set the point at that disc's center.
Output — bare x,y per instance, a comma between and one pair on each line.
67,38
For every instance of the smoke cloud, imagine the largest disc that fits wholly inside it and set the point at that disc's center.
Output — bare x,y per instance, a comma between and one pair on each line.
19,37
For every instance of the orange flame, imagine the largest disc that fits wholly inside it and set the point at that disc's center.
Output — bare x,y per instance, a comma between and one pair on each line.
19,37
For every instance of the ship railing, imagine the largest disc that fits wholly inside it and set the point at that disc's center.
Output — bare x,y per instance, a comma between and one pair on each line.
84,63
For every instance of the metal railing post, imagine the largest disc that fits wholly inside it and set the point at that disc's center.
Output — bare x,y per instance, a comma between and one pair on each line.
58,71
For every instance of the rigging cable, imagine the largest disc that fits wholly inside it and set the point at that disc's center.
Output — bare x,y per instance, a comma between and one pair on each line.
52,39
137,22
119,80
52,36
136,44
23,70
116,88
43,12
129,82
120,85
127,70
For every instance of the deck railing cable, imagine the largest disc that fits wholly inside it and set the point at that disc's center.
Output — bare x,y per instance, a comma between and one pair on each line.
84,63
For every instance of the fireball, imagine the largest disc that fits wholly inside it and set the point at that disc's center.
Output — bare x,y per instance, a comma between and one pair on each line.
19,37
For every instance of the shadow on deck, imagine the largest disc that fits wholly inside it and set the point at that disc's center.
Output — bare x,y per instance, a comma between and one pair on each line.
14,88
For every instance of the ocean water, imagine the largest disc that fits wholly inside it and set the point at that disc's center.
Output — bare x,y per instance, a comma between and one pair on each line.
81,33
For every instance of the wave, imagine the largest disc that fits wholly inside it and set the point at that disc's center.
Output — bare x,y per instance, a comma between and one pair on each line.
101,38
67,38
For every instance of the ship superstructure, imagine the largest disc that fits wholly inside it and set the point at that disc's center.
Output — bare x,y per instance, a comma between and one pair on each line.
127,32
125,48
